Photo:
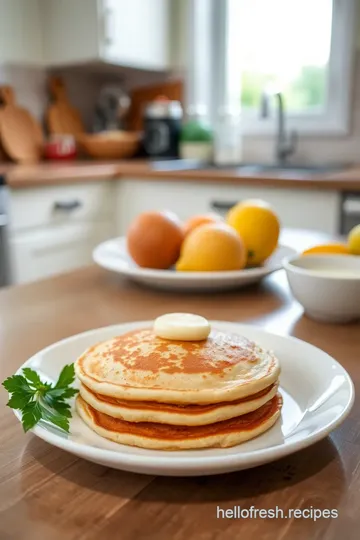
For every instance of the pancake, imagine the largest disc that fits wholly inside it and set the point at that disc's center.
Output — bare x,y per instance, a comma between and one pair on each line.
185,415
140,366
165,437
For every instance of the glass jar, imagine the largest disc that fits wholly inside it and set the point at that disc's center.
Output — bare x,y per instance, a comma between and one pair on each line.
228,137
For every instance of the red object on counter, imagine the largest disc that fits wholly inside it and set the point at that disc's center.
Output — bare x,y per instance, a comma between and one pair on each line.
60,147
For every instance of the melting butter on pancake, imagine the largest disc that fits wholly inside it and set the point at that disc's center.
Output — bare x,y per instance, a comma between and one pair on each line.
165,437
140,366
183,415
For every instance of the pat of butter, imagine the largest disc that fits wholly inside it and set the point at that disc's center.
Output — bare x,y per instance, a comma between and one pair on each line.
182,327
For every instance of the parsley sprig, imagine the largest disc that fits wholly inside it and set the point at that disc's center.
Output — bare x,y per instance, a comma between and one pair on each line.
38,400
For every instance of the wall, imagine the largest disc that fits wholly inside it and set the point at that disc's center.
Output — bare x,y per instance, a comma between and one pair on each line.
83,85
28,84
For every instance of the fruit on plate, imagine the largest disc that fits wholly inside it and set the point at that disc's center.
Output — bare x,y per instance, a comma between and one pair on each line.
154,239
328,249
201,219
212,247
354,240
258,226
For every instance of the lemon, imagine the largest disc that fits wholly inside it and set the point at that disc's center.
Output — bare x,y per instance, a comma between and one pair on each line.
212,247
354,240
258,226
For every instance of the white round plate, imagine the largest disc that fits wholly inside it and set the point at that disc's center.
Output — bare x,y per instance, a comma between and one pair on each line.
113,255
318,394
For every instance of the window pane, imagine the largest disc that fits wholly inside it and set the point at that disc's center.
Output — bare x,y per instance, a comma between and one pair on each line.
286,43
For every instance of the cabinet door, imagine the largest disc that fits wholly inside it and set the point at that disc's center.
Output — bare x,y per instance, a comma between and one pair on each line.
45,252
61,205
72,31
136,33
185,198
20,31
297,208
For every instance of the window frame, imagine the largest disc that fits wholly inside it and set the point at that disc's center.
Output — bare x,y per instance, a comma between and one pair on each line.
335,119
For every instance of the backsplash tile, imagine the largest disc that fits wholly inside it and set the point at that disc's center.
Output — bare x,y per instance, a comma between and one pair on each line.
29,86
83,86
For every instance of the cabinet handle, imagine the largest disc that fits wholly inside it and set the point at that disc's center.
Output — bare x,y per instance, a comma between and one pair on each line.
222,206
67,206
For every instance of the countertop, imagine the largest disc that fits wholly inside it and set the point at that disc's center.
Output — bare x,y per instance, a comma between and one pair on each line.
47,493
21,176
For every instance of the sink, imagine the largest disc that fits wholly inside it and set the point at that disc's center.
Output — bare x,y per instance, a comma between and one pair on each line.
291,168
294,169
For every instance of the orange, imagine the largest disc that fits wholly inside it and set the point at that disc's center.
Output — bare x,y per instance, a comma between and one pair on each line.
336,249
201,219
258,226
212,247
154,239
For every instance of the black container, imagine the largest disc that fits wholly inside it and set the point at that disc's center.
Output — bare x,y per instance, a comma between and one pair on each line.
162,127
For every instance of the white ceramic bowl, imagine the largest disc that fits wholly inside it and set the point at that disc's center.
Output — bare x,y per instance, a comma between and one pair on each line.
327,286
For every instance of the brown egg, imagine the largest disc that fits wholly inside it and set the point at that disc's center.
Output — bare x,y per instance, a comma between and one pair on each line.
154,239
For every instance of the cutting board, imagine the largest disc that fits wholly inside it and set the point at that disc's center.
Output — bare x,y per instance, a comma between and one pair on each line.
61,117
173,90
21,135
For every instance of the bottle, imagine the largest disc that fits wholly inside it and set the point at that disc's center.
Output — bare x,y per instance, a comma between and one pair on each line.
228,137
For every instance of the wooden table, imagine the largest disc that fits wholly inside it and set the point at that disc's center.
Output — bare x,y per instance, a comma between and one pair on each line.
47,494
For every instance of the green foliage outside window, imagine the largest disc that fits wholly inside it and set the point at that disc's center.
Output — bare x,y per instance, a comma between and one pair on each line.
307,90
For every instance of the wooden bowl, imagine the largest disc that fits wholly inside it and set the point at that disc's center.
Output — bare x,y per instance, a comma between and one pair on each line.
109,144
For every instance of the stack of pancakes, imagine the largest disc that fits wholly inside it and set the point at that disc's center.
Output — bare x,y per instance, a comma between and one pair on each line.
141,390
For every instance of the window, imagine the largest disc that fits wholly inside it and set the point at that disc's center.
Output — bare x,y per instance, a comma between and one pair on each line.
303,48
289,50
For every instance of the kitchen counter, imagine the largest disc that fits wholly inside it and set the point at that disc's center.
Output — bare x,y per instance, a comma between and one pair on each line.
20,176
47,493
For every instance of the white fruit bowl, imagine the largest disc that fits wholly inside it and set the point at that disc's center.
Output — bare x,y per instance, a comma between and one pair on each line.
327,286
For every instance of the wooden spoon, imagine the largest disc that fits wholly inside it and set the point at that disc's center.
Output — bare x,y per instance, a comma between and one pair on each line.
61,117
21,135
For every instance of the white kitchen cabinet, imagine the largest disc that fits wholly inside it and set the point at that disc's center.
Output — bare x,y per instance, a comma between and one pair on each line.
55,228
42,253
298,208
21,32
131,33
61,205
179,35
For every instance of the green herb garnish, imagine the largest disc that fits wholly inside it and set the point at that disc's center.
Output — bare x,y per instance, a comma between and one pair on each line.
38,400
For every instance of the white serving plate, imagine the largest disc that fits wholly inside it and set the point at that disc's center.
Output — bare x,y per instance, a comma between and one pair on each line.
318,394
113,255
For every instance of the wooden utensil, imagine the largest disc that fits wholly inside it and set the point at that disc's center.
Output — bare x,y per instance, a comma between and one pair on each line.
21,135
61,117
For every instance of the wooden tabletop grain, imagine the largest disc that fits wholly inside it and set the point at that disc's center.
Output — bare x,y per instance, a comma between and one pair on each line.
47,494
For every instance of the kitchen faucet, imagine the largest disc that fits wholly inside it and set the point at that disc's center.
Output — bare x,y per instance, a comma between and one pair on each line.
285,146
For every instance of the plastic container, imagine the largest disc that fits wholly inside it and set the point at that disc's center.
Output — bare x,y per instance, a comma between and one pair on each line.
228,138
